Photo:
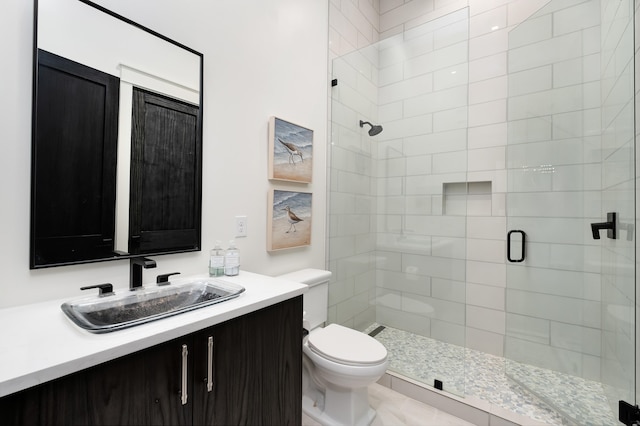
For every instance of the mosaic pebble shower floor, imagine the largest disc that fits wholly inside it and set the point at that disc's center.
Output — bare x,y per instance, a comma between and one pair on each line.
469,372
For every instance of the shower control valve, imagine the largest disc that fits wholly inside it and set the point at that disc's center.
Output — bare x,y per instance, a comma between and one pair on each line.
610,225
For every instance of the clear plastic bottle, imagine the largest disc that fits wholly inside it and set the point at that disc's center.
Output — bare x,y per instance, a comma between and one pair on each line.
232,260
216,261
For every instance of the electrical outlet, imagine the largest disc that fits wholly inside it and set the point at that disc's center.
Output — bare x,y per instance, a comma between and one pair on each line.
241,226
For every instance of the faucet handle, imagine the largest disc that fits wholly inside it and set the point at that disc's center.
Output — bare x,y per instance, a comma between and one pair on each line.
105,289
163,279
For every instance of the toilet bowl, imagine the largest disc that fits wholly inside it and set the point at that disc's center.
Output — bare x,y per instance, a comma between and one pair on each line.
341,370
339,363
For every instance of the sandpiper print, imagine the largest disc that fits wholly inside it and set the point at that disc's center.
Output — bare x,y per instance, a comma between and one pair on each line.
290,151
289,219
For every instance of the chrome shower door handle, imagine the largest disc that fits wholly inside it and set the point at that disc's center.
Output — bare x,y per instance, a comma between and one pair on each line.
522,253
210,364
183,391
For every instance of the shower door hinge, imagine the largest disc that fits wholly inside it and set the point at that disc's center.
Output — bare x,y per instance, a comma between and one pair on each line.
628,414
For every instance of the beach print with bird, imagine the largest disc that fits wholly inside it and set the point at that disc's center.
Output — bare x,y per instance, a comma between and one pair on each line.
291,156
290,219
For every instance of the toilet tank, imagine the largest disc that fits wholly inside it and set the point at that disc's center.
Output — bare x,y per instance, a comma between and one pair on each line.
316,299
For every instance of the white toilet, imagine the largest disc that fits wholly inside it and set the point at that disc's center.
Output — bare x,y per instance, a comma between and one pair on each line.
339,363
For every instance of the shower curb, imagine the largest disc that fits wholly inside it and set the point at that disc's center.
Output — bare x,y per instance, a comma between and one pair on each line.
471,409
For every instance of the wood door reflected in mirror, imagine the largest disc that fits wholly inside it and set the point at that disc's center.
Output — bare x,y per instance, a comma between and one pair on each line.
164,171
89,62
74,162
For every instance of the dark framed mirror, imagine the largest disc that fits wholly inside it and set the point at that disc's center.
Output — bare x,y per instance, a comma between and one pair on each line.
116,138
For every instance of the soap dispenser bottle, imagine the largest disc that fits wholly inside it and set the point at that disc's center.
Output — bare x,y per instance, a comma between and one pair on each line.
232,260
216,261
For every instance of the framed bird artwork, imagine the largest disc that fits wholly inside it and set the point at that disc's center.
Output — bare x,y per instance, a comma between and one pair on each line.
289,223
290,151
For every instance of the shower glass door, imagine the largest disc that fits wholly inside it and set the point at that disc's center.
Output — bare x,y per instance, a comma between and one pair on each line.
570,297
399,199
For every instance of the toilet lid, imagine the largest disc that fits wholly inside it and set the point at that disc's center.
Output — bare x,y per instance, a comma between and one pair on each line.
346,346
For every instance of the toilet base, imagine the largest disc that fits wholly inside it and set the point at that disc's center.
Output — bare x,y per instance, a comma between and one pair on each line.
346,406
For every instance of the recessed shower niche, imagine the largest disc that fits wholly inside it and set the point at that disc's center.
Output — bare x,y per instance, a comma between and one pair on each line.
466,198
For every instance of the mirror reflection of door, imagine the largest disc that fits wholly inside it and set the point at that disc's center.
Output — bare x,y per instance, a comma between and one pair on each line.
74,168
81,186
164,209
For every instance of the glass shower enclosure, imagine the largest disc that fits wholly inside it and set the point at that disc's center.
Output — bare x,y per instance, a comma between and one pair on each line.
468,250
398,199
571,172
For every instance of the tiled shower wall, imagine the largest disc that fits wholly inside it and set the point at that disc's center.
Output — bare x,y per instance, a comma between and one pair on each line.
352,245
554,166
357,178
421,170
619,193
573,102
399,255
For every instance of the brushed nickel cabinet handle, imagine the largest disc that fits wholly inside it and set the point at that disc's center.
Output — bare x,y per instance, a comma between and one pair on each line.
210,364
183,393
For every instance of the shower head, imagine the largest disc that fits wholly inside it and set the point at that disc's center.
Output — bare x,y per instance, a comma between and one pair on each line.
374,130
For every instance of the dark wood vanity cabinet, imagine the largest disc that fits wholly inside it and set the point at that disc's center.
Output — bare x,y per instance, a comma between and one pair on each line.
260,381
256,371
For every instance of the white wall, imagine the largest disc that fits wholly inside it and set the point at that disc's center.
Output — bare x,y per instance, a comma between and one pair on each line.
261,59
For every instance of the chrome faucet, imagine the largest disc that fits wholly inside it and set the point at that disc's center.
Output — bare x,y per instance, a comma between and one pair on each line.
136,265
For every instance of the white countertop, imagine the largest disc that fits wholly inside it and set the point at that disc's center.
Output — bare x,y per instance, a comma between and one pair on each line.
38,343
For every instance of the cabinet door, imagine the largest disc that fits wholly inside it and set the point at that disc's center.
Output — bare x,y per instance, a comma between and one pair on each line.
138,389
257,369
58,402
280,369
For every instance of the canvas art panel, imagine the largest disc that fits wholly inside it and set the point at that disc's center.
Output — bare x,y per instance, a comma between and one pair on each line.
290,151
289,222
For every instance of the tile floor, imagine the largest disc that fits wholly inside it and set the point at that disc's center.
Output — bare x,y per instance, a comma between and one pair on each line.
395,409
466,372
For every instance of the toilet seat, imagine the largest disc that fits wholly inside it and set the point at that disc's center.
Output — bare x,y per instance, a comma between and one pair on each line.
346,346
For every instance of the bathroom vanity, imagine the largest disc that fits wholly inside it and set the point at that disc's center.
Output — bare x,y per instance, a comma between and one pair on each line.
237,362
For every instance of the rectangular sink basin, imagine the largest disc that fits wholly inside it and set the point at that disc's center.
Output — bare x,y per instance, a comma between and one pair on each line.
129,308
